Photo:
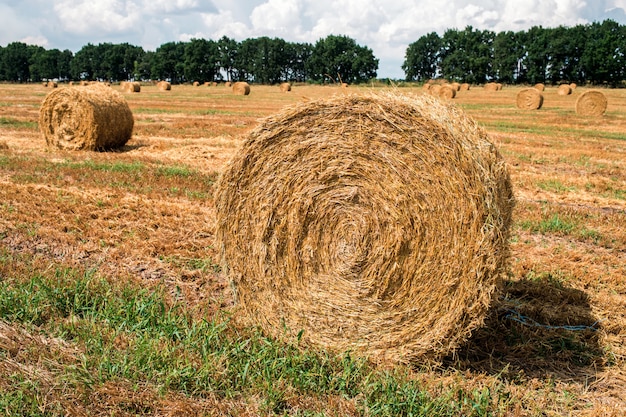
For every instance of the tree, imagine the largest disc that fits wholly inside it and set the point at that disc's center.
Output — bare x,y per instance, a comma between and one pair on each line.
15,62
508,51
467,55
227,49
86,63
603,57
421,60
201,60
535,61
340,58
168,62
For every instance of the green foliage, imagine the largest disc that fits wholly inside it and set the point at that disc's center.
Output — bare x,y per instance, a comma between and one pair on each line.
340,59
422,58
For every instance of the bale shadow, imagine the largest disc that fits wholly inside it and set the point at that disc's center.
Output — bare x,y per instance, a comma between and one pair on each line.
538,328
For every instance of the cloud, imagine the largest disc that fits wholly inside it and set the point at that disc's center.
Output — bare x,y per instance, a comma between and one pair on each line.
98,16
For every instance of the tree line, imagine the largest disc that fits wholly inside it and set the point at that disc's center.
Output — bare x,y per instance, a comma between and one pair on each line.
260,60
591,53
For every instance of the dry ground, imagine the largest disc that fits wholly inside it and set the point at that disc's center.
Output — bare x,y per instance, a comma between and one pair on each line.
556,337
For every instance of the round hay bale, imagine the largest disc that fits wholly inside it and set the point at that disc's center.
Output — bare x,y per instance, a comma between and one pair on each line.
456,86
376,224
196,84
130,87
164,86
540,87
573,86
241,88
93,117
464,87
564,90
529,99
591,103
491,87
435,89
52,84
3,145
498,86
426,87
285,87
228,84
447,91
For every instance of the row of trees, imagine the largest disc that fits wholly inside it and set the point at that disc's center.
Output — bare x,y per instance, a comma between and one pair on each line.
261,60
593,53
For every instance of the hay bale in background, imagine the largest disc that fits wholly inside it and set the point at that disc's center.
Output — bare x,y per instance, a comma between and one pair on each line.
376,224
591,103
491,87
241,88
130,87
228,84
464,87
573,86
196,84
3,145
94,117
529,99
164,86
447,91
284,87
564,90
498,86
455,86
540,87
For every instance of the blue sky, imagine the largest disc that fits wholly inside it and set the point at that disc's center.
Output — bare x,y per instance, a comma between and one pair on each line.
385,26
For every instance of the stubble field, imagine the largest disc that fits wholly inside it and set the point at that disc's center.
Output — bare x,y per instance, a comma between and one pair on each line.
112,301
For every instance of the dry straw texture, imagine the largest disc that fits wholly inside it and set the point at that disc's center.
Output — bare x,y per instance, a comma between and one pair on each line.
376,224
540,87
573,86
93,117
164,86
241,88
591,103
529,99
284,87
130,87
564,90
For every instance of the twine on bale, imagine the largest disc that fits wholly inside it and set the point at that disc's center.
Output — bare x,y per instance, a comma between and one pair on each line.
591,103
529,99
94,117
376,224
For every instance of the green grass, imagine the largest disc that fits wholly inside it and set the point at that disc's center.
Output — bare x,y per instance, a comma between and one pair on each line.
15,123
555,186
172,349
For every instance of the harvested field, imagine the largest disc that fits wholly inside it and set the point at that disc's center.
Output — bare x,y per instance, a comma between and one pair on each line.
112,301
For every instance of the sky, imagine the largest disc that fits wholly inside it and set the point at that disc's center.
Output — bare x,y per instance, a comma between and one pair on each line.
385,26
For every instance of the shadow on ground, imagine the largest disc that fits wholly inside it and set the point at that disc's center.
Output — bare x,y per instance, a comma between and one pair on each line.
537,328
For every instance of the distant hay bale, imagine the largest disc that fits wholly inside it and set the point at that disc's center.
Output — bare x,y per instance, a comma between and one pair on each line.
491,87
52,84
284,87
447,91
456,86
93,117
344,85
591,103
435,89
573,86
540,87
426,86
164,86
529,99
196,84
214,83
564,90
376,224
130,87
3,145
464,87
241,88
228,84
498,86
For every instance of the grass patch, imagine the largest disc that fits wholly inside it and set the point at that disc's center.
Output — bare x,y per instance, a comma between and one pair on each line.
129,333
555,186
18,124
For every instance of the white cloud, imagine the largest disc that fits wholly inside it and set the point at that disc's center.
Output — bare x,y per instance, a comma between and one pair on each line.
277,16
93,16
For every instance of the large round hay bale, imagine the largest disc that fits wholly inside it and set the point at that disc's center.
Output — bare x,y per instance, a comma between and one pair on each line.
591,103
564,90
376,224
164,86
447,91
241,88
285,87
94,117
529,99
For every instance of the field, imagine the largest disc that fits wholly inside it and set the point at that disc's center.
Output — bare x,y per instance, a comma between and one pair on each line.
112,301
